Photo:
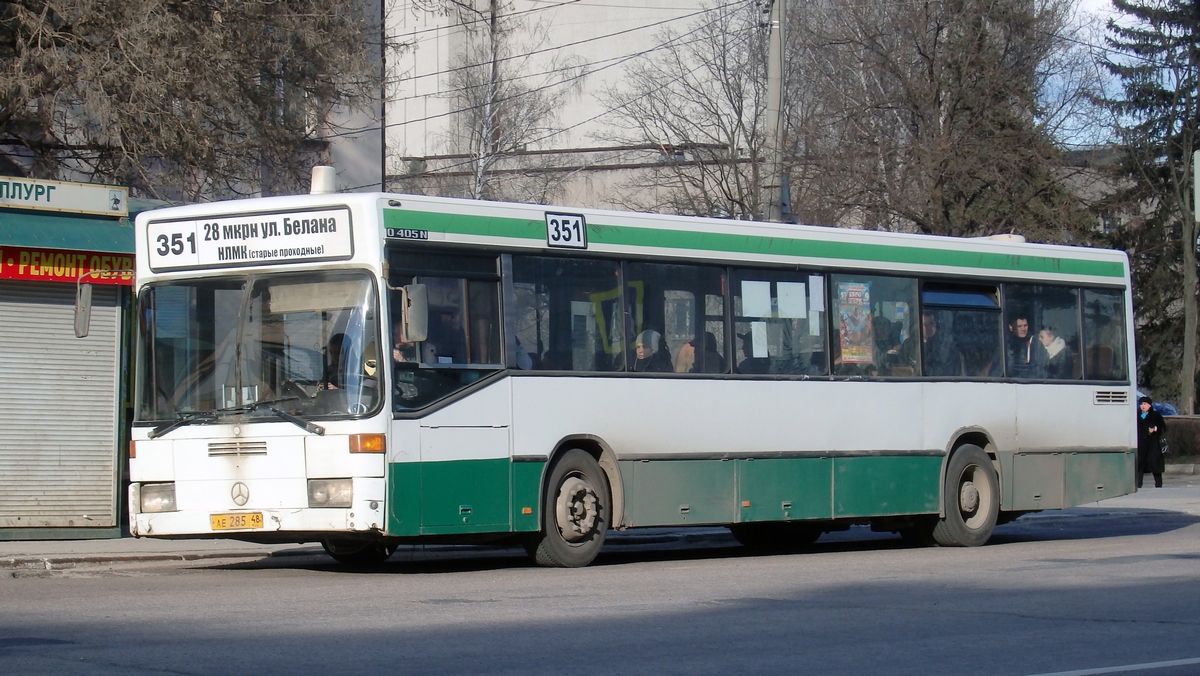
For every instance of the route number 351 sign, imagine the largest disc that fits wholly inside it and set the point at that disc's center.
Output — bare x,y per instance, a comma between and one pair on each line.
566,231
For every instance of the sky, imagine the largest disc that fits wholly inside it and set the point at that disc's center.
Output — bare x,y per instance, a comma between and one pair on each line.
1101,9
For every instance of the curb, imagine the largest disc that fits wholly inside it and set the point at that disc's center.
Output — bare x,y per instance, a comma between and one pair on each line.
69,561
1188,468
76,561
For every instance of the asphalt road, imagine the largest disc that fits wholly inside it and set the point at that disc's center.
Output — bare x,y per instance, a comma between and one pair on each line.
1088,591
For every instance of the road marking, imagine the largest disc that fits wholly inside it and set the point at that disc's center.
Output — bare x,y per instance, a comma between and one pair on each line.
1127,667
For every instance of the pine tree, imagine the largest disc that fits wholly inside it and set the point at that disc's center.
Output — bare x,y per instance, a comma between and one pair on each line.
1158,69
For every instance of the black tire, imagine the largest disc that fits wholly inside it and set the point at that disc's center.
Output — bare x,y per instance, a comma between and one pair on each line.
972,499
775,536
576,510
350,551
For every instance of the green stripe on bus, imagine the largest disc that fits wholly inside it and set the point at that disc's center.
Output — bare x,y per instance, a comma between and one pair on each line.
464,497
517,228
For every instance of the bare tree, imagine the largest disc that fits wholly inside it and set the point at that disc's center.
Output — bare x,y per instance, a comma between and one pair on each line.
701,100
931,116
179,99
505,102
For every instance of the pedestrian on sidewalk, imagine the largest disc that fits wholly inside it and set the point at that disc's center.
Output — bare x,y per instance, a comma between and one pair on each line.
1150,427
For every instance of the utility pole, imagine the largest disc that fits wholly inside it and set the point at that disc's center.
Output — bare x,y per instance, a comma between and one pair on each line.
1187,390
383,96
772,181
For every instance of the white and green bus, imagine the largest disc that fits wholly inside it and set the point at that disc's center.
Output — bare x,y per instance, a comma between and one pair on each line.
368,370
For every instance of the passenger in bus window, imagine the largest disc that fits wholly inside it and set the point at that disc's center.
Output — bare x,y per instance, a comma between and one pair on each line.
650,354
706,360
889,348
1058,362
1026,356
711,360
938,353
752,364
685,357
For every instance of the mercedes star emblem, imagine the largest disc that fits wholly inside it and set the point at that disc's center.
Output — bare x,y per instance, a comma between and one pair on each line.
240,493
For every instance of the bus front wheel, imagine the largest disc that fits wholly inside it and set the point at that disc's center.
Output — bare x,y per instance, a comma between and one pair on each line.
575,512
972,495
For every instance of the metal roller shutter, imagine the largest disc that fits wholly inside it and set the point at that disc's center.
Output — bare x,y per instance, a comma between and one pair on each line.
58,408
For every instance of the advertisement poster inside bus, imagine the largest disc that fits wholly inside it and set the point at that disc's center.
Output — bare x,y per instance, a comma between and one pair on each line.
854,314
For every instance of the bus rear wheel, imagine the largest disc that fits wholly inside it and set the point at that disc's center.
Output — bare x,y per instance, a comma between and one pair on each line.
575,512
972,495
350,551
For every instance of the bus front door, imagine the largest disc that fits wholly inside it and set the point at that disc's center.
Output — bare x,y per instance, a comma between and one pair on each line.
464,479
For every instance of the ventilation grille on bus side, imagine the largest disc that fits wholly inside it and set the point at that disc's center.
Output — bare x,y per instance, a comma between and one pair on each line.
237,448
1111,397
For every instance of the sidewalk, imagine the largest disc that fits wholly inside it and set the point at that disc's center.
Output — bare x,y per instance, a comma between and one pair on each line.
1181,493
1180,468
64,554
59,554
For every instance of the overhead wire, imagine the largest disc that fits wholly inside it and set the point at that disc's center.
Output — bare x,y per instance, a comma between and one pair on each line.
595,117
673,42
565,45
615,60
482,19
618,61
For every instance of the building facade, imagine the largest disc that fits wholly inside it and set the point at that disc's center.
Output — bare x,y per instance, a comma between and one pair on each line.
518,87
63,400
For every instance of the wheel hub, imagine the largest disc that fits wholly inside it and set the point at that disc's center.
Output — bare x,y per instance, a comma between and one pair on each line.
576,509
968,497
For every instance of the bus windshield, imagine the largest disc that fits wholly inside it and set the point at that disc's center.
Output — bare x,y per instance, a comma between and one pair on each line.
305,344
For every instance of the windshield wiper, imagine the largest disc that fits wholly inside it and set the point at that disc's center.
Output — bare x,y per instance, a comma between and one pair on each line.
269,404
298,421
184,419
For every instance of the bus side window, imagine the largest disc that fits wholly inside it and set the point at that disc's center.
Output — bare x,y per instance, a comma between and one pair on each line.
778,322
566,313
1104,335
863,305
1042,332
960,330
686,305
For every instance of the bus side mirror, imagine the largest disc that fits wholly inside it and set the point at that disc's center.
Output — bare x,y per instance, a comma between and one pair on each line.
83,309
415,320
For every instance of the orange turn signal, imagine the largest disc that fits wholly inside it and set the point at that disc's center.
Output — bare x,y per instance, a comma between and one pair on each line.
132,449
367,443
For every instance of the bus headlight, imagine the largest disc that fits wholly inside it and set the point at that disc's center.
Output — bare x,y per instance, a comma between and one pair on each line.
330,492
158,497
